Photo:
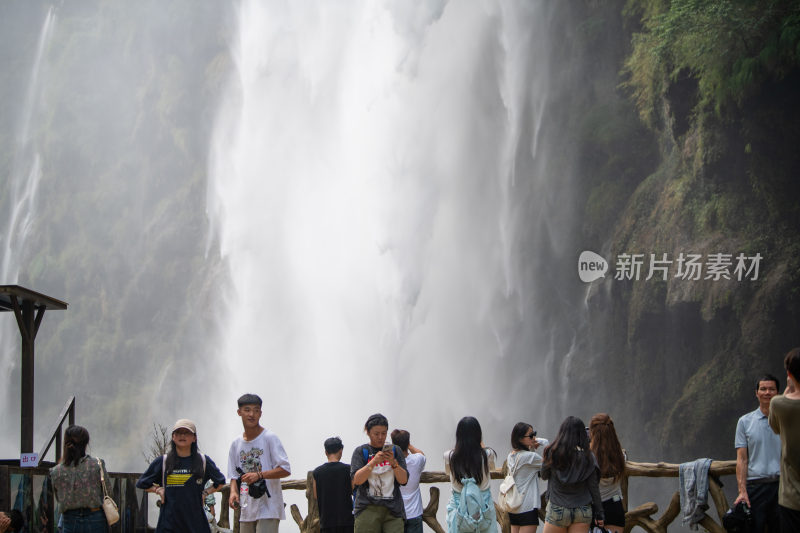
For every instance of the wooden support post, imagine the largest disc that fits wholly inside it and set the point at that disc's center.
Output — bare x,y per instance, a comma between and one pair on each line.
641,517
429,513
28,322
673,510
720,501
28,307
224,508
502,518
5,492
712,527
624,487
309,524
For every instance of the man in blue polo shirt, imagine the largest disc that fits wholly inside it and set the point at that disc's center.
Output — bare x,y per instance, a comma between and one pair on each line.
758,459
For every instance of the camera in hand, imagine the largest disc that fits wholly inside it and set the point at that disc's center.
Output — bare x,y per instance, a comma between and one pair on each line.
738,519
257,489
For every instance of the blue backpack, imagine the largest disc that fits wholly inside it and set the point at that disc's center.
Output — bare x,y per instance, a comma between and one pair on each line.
473,513
365,453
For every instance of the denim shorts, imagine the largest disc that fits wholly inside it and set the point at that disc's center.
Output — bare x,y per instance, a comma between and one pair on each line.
565,516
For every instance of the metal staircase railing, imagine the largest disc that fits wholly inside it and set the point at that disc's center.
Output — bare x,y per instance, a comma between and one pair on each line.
56,432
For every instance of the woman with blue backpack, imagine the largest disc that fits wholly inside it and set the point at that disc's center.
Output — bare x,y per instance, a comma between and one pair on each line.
573,474
469,464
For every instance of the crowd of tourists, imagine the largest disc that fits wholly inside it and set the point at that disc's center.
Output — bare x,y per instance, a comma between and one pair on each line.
378,492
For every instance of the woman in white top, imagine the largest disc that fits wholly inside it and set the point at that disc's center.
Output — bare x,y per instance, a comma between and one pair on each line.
469,466
525,463
610,456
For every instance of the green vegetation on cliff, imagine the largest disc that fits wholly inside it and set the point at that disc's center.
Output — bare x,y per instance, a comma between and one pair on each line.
716,83
729,48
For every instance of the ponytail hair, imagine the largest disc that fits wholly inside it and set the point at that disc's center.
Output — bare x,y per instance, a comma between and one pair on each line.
76,438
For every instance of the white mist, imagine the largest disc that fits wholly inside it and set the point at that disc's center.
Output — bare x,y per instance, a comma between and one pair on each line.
19,206
380,193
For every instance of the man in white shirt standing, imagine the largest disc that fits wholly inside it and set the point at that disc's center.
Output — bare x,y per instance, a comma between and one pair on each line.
758,459
259,454
415,463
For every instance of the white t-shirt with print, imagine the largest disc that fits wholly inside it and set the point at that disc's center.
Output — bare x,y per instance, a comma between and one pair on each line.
381,481
263,453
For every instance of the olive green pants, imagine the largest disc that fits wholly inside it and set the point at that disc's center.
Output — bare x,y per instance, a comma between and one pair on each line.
377,519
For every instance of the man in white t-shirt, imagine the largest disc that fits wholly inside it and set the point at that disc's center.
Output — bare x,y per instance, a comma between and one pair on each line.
415,463
259,454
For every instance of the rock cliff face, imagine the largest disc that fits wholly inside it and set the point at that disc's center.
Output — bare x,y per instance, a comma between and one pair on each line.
679,357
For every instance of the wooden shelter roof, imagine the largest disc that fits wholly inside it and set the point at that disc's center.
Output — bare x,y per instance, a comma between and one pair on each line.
23,294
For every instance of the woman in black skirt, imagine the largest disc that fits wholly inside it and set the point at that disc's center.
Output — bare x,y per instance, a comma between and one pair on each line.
525,462
611,460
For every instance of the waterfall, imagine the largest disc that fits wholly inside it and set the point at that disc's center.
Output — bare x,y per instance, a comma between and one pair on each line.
19,203
26,168
387,186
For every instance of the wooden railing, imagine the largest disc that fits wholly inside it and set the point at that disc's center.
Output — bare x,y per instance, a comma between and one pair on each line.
29,491
39,505
641,516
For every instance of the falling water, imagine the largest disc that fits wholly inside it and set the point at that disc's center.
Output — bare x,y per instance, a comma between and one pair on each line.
20,202
26,168
383,191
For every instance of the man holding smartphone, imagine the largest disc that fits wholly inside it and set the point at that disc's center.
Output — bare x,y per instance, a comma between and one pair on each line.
378,469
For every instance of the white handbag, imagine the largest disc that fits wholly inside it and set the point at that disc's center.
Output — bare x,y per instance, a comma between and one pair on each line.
510,499
109,506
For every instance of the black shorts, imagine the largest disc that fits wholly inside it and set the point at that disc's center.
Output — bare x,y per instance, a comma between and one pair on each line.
530,518
615,513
